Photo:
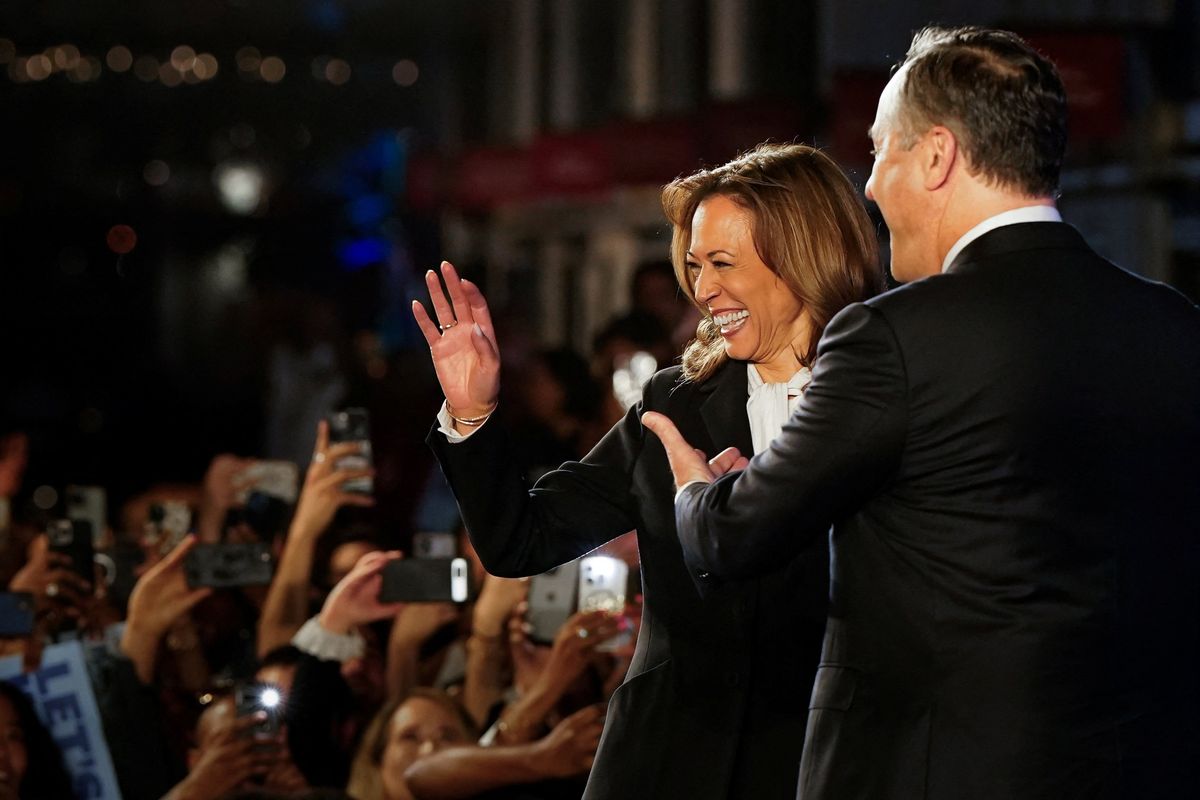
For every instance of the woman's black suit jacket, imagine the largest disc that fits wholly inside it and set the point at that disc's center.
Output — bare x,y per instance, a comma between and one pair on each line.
716,699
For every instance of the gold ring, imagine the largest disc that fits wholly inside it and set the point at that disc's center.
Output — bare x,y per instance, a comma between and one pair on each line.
448,325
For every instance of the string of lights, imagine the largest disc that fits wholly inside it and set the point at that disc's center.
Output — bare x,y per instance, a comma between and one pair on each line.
184,66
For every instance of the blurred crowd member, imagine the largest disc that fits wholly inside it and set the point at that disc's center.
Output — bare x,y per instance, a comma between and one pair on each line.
559,404
31,764
287,602
404,730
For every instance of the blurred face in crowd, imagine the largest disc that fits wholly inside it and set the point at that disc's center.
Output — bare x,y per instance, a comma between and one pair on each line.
759,317
345,556
13,756
419,727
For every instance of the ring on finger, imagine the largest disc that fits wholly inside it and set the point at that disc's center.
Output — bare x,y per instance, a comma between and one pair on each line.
318,458
582,633
52,589
448,325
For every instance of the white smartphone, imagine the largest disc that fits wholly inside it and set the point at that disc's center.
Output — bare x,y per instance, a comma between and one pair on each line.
602,584
552,598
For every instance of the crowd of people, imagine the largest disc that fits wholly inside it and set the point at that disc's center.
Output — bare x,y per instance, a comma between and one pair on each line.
376,701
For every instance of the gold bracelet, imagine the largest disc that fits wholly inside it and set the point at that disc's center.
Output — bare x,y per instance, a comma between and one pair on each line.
472,422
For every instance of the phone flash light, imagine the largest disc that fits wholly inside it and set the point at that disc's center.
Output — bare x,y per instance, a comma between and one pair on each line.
270,698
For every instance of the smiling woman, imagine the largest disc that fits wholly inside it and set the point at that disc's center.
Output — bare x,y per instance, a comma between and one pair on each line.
769,247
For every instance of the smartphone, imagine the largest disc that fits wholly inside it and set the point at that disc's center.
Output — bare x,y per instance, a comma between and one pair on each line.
250,698
119,565
434,544
229,565
602,584
353,425
16,613
73,538
425,580
279,479
552,599
88,504
169,521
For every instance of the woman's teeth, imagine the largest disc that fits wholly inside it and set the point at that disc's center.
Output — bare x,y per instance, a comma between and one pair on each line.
731,321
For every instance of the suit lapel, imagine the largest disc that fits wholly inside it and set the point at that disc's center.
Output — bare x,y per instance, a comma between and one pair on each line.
724,409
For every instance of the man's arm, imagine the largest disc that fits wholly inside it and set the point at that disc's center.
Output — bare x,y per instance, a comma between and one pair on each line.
842,444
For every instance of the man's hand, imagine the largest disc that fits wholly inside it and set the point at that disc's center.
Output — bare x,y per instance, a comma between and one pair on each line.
687,463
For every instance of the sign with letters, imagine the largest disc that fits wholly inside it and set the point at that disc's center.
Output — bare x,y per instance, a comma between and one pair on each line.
62,694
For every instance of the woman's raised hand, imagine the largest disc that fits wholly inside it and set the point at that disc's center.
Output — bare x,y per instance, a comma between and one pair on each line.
462,343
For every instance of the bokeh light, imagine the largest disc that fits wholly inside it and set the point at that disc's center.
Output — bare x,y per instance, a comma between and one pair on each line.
272,69
118,58
121,239
156,172
405,73
337,71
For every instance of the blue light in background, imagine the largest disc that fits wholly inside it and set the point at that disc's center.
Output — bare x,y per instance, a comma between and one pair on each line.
355,254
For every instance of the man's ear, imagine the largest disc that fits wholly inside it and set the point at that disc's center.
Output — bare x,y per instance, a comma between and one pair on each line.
940,155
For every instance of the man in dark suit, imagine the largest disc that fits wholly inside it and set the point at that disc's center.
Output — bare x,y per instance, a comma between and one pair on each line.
1008,450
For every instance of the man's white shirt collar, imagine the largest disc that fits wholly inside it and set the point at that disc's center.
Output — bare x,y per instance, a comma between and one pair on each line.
1011,217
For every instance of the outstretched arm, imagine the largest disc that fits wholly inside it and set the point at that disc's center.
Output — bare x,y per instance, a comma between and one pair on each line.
840,446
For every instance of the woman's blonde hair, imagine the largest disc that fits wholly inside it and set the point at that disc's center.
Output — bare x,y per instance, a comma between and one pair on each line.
808,224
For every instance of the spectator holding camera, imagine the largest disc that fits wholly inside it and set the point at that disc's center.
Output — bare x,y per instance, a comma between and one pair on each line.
323,493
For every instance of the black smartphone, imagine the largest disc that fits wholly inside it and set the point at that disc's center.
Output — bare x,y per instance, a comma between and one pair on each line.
250,698
552,599
229,565
73,538
16,613
353,425
426,580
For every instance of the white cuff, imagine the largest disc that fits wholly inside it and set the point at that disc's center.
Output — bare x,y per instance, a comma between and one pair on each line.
326,645
446,425
681,489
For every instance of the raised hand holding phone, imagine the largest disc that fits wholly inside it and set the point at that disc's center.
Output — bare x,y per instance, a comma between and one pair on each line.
462,343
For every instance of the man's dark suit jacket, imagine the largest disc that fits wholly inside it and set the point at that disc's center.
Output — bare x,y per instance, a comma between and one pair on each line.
1010,455
715,701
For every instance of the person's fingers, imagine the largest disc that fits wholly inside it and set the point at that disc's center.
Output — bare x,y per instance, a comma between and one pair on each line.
662,427
480,312
725,460
340,476
191,599
687,464
428,327
322,437
462,309
174,559
483,347
340,450
441,307
355,499
68,582
39,547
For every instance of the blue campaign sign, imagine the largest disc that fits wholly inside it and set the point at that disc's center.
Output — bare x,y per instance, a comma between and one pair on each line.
62,694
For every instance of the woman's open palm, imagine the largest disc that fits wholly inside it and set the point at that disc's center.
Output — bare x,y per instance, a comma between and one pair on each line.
462,343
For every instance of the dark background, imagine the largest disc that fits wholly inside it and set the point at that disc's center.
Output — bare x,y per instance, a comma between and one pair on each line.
139,313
